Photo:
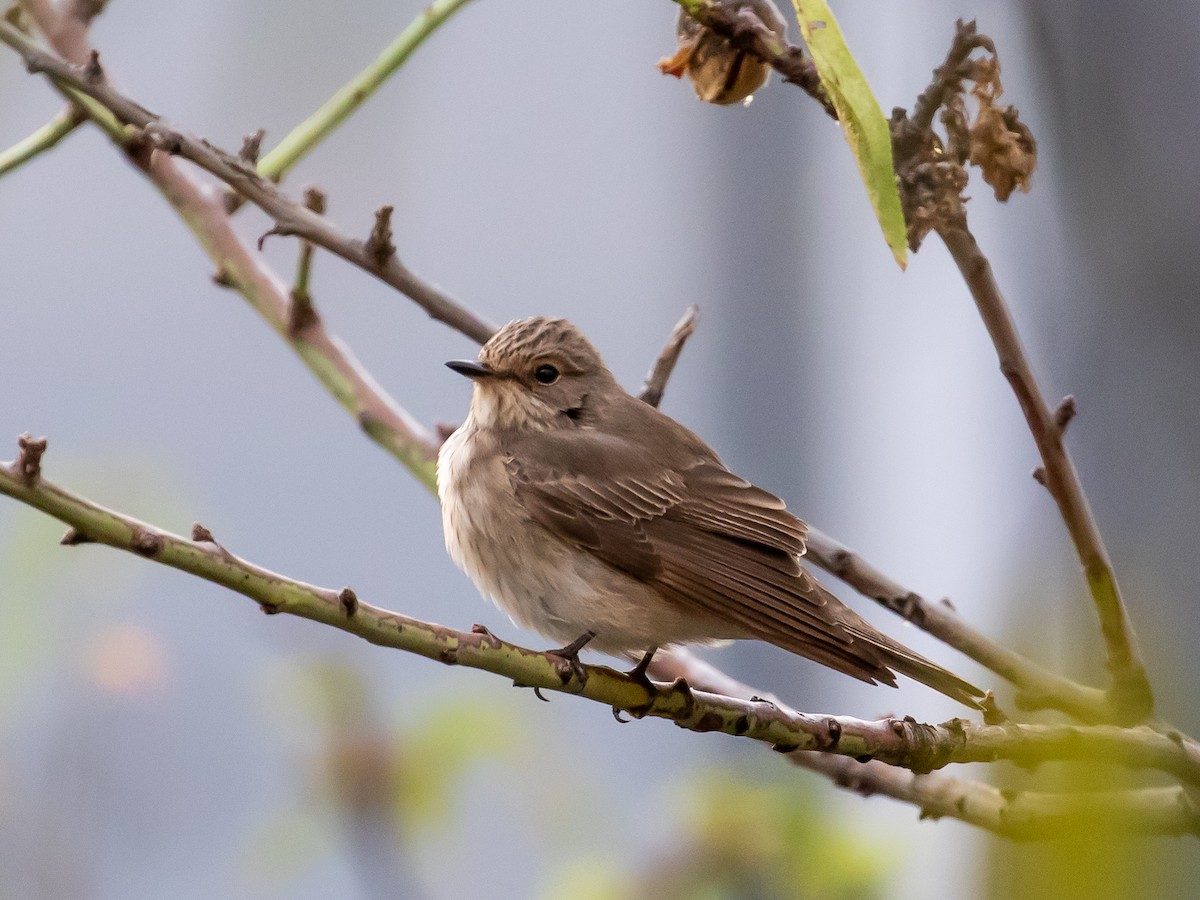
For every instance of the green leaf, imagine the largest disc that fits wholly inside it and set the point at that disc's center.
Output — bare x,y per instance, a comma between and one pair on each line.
864,123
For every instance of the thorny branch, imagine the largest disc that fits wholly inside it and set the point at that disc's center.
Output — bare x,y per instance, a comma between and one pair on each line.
238,267
1037,687
905,743
45,138
152,133
1018,815
660,373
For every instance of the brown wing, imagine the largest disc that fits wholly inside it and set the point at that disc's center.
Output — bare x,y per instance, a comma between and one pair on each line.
700,535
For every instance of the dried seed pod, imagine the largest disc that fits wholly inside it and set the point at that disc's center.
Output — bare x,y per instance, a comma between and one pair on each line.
719,72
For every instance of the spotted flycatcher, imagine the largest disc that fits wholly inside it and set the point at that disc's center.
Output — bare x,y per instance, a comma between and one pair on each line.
589,515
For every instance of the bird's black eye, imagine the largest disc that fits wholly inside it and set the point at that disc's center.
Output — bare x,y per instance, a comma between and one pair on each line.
546,374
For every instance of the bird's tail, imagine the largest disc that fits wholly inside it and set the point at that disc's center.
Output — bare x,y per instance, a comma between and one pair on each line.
896,656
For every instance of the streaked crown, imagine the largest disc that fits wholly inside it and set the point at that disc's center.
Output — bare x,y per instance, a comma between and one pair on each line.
524,341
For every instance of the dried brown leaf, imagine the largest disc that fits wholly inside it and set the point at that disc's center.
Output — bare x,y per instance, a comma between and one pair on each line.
1001,145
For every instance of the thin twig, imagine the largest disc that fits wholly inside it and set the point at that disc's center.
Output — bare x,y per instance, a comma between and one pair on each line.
353,94
932,184
1131,694
1038,688
291,218
947,79
378,414
301,314
45,138
901,742
1020,815
664,365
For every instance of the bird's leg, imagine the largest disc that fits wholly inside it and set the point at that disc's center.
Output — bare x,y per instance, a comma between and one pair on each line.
570,655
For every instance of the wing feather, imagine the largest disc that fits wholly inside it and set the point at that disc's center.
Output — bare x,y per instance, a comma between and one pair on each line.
705,540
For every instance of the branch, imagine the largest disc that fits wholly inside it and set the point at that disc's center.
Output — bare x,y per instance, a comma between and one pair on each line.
1018,815
236,266
354,93
45,138
947,80
1038,687
660,373
291,218
899,742
1131,693
749,34
931,182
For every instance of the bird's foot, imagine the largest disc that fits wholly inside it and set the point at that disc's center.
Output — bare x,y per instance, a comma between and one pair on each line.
569,656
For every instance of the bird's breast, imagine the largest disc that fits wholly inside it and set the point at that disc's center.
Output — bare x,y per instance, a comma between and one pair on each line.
514,562
540,580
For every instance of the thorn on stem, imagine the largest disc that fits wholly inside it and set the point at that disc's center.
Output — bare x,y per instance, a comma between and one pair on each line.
1039,475
301,315
379,244
1064,413
251,147
315,200
222,278
146,543
92,71
486,636
992,714
74,537
29,462
349,601
164,138
275,230
202,535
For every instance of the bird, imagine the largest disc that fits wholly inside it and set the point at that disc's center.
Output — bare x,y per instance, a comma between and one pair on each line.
595,519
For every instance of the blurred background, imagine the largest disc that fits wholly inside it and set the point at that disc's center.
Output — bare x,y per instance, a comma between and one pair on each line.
160,737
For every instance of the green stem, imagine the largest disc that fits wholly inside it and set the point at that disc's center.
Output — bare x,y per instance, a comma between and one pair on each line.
41,140
355,92
899,742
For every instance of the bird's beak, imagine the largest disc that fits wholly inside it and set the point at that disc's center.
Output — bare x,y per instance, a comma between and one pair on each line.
470,368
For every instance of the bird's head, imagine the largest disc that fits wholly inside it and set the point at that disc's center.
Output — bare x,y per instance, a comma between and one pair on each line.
537,374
